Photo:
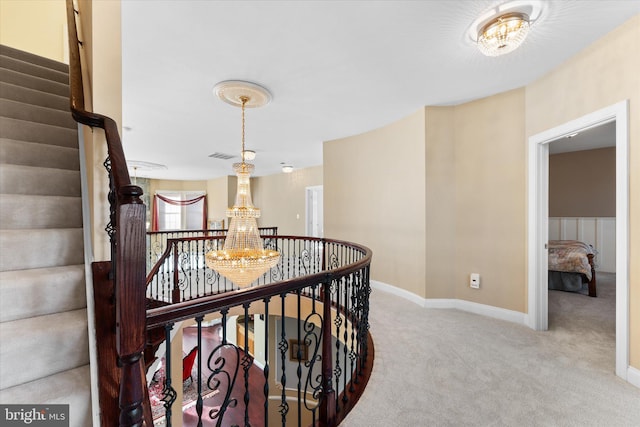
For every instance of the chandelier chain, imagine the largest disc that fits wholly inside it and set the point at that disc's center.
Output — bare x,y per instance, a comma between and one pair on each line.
244,100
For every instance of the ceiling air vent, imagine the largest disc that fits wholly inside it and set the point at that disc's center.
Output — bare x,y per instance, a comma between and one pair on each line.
222,156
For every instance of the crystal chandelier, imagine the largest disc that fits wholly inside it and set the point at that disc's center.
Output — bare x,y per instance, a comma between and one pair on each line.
503,34
243,258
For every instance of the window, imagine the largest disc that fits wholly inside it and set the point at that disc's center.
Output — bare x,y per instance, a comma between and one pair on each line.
180,211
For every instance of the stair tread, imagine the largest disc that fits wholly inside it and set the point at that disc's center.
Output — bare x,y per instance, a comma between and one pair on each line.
35,113
47,344
24,130
25,153
70,387
36,180
33,58
23,211
32,69
33,82
55,247
33,96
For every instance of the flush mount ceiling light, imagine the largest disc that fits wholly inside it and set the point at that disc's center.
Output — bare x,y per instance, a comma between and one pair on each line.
503,29
287,168
503,34
243,258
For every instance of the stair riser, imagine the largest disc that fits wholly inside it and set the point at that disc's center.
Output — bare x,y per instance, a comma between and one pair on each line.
25,249
31,82
33,69
55,343
33,113
19,212
38,155
21,130
39,292
39,181
32,96
34,59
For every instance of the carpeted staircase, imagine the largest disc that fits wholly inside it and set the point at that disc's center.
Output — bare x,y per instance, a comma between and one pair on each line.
44,350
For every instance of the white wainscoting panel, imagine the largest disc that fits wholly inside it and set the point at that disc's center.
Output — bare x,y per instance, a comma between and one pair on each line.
598,232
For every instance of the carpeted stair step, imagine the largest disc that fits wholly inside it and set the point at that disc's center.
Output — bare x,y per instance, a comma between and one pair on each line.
21,130
39,155
32,96
69,387
41,291
35,70
34,113
25,249
33,82
19,211
33,59
55,343
17,179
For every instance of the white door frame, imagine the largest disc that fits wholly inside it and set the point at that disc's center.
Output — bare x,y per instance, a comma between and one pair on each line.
538,222
308,213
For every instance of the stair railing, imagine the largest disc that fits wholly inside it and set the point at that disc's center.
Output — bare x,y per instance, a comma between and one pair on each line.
126,272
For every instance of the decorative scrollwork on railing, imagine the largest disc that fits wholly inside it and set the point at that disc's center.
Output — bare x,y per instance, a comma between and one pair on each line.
219,374
110,228
305,261
334,261
184,265
312,337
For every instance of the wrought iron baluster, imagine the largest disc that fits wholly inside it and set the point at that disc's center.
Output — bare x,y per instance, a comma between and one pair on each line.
169,394
266,362
299,356
312,338
199,401
337,370
283,347
247,361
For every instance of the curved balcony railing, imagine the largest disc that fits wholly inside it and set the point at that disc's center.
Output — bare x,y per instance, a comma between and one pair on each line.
293,349
157,240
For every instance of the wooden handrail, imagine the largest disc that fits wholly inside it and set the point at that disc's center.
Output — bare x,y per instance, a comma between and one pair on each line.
126,230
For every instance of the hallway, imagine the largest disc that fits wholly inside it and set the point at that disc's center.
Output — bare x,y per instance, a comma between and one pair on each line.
470,370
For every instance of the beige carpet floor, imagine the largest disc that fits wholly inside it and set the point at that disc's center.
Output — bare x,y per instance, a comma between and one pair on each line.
441,367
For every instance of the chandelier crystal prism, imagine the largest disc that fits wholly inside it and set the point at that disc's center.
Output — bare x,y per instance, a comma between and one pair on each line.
503,34
243,258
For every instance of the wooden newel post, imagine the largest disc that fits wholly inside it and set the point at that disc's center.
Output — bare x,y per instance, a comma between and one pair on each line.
328,403
130,303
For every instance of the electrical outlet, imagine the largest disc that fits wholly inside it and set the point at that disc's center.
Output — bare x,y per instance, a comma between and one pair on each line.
474,280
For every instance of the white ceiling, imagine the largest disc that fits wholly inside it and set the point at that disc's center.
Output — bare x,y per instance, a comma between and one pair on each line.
335,69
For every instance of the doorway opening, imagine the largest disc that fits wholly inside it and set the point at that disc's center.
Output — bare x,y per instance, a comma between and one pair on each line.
314,222
538,222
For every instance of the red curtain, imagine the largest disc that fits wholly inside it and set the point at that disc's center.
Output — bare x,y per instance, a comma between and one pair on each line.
156,214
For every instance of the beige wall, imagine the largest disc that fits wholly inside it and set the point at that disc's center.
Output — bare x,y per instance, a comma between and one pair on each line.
220,194
101,33
281,199
36,26
374,194
583,183
605,73
490,209
440,200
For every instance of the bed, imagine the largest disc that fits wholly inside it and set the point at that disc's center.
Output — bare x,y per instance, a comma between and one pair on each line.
571,266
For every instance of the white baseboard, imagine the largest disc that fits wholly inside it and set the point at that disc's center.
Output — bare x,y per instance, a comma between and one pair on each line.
471,307
633,376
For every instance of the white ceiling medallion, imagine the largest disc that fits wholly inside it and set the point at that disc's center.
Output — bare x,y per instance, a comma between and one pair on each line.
503,28
232,92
